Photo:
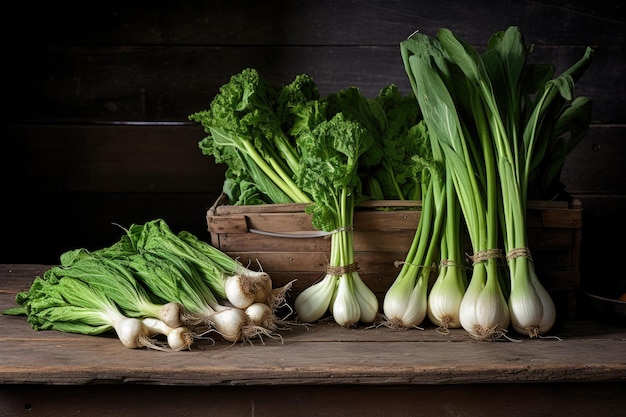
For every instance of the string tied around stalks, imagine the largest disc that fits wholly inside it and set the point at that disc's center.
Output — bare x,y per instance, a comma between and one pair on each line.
448,263
518,253
342,269
485,255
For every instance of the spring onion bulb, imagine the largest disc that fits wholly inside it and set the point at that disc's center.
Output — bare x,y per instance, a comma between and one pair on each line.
532,309
244,290
231,323
405,302
446,294
368,302
178,338
171,314
132,332
314,301
345,307
484,312
261,314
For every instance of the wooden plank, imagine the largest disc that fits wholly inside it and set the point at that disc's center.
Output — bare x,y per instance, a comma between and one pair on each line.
223,22
252,242
130,399
109,158
45,224
596,165
313,356
323,354
89,92
153,158
228,224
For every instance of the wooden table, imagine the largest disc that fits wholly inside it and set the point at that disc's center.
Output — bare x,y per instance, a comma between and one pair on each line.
324,370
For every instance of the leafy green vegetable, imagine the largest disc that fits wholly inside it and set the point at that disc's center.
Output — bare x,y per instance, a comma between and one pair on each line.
70,305
296,146
245,131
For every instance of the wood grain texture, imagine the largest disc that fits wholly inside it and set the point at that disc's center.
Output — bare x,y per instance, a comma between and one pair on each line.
129,400
171,82
323,354
322,370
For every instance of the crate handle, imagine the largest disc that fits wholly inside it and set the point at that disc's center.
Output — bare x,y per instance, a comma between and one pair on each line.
297,234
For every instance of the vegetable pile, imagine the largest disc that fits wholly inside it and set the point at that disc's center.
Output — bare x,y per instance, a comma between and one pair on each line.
478,135
494,120
155,289
288,144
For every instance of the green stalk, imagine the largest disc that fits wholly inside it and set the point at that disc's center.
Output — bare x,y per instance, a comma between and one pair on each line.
446,295
276,173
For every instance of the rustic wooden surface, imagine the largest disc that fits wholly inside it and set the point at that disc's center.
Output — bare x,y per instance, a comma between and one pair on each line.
322,370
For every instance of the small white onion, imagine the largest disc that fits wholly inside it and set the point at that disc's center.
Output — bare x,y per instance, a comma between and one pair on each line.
312,303
345,309
532,310
238,291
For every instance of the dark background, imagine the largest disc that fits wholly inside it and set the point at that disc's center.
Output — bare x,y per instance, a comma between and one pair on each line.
96,98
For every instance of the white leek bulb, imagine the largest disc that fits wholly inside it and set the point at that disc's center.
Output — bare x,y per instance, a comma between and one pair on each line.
346,310
405,304
366,298
531,308
444,300
418,307
484,313
312,303
397,300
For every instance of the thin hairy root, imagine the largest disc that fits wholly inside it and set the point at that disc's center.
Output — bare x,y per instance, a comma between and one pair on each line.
397,324
153,344
443,329
491,334
277,298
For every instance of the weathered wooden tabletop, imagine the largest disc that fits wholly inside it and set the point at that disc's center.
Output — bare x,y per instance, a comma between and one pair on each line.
323,356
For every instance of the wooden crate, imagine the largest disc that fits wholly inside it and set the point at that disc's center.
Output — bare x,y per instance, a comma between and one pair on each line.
383,231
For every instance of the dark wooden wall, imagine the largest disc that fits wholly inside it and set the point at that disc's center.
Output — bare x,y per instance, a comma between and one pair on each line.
96,98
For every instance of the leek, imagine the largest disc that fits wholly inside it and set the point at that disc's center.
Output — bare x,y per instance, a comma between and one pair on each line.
446,294
483,311
405,304
499,77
